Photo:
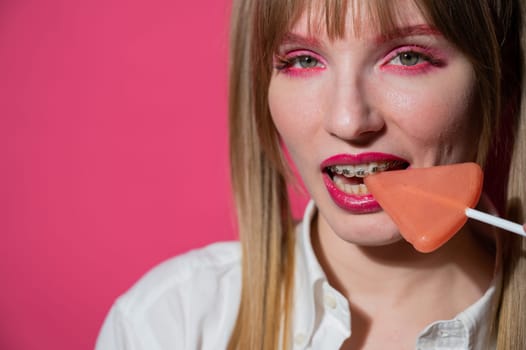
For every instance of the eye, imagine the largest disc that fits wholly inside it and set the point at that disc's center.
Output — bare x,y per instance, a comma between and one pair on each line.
299,61
305,61
414,59
408,58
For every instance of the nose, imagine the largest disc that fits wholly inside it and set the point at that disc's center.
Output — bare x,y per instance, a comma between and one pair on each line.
351,114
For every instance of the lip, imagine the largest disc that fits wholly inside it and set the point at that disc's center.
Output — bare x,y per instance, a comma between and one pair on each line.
355,204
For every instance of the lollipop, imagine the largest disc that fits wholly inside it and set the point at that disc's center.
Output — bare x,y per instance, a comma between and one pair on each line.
430,205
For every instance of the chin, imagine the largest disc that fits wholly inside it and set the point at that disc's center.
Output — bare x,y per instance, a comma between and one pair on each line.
371,229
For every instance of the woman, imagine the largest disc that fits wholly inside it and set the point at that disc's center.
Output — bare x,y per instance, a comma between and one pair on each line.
349,88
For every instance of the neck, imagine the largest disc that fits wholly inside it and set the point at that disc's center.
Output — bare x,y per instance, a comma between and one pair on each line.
397,274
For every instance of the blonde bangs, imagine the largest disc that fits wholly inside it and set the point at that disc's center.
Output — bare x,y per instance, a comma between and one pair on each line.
330,17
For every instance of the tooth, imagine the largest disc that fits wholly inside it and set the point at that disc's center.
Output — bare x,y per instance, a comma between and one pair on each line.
363,189
373,168
348,171
356,189
363,170
383,166
360,172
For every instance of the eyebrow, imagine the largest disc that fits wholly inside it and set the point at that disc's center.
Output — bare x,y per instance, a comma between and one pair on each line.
292,38
421,29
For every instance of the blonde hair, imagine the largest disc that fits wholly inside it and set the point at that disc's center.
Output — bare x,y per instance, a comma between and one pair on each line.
259,174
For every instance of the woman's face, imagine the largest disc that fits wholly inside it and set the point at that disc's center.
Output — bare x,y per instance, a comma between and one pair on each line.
366,103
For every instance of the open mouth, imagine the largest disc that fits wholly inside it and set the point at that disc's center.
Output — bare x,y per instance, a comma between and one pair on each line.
349,178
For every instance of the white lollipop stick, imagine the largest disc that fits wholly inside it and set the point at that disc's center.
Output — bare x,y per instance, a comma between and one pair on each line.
495,221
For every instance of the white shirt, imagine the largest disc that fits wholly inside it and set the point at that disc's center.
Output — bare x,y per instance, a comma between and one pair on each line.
191,302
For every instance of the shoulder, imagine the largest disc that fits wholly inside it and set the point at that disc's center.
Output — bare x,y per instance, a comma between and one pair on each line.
193,272
215,262
181,300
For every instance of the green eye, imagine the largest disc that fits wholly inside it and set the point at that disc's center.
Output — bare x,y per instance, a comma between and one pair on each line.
307,62
409,58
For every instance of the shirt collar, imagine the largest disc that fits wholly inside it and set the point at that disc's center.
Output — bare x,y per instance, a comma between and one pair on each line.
308,276
470,329
312,290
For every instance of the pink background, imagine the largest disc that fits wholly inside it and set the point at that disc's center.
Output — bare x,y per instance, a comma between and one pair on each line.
114,154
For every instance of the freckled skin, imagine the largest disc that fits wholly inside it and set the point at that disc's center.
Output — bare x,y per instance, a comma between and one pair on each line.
362,98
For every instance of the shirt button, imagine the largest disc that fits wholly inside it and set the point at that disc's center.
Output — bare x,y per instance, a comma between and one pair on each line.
329,301
443,334
300,339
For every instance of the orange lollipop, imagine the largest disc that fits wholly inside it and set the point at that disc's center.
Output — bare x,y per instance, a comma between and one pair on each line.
430,205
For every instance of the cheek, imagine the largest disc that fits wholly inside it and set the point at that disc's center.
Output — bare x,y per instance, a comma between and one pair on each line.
294,113
280,110
435,116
